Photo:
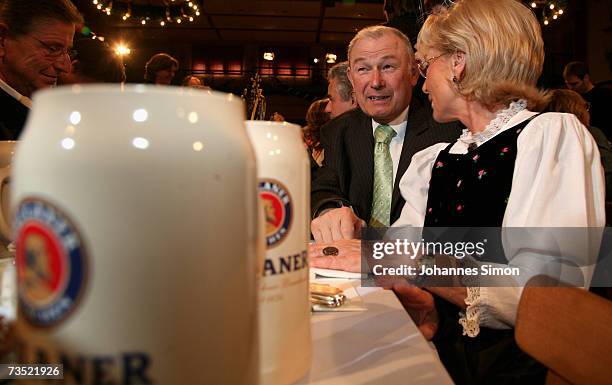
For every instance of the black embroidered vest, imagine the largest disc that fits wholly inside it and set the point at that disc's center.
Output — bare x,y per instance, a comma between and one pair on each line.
472,189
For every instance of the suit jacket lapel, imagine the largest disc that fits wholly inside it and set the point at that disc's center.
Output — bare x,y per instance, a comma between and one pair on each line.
417,124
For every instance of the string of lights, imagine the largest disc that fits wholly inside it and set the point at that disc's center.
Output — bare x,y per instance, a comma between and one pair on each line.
171,12
547,10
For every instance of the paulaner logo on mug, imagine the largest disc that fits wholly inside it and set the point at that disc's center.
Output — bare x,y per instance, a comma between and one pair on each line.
278,210
51,263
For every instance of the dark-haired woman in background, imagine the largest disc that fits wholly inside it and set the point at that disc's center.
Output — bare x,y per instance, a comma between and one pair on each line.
316,117
160,69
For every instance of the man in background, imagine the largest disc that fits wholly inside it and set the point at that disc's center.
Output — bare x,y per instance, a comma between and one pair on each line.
339,91
35,48
577,78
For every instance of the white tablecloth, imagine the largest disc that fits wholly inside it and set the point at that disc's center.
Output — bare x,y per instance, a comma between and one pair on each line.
378,346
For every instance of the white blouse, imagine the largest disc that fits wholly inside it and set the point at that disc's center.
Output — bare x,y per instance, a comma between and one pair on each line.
558,181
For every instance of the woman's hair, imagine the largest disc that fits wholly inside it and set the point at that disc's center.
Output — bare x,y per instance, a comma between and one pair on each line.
159,62
503,47
187,79
315,118
571,102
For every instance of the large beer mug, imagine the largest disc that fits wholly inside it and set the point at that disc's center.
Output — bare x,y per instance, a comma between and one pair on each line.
284,312
136,235
7,151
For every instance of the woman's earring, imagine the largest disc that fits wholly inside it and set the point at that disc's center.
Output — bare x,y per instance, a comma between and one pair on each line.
456,83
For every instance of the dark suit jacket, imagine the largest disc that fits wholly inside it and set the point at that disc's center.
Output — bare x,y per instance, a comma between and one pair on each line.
12,116
347,175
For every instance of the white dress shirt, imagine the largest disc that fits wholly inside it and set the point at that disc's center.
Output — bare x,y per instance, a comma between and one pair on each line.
395,147
558,181
11,91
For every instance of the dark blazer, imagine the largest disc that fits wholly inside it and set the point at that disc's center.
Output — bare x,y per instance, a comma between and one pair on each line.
13,115
347,175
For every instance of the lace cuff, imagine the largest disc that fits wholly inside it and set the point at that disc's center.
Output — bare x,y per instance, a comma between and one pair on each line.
470,319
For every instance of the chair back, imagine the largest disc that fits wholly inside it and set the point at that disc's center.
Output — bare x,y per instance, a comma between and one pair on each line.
569,330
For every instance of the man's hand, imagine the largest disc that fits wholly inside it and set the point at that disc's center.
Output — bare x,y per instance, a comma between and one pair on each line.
336,224
348,258
419,304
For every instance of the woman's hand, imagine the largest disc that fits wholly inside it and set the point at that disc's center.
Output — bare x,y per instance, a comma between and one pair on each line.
420,306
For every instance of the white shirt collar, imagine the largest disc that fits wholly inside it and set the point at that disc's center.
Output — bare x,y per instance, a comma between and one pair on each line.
19,97
399,128
461,147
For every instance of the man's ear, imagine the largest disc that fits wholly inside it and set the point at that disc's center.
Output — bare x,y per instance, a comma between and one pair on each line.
414,74
349,74
458,63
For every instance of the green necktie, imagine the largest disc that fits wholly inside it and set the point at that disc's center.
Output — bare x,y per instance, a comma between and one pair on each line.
383,177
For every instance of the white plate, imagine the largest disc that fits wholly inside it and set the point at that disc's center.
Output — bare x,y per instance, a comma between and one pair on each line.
328,273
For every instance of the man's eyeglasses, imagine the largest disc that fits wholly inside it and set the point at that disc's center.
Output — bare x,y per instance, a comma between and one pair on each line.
56,51
423,65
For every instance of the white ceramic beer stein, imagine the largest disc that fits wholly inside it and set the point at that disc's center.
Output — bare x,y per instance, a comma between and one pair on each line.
284,190
7,152
136,235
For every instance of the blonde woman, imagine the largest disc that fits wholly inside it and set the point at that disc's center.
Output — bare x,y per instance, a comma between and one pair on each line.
511,168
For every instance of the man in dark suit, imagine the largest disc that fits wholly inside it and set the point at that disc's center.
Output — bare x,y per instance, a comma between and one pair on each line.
35,43
367,150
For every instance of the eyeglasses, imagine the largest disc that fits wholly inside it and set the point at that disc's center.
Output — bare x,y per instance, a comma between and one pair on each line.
423,65
56,51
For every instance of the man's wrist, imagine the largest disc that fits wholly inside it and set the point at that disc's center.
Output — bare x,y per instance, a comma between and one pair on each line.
330,205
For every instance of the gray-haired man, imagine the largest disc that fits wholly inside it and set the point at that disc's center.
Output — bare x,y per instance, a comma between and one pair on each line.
339,90
368,149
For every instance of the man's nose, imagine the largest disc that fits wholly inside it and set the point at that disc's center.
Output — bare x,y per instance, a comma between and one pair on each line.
377,80
328,108
63,64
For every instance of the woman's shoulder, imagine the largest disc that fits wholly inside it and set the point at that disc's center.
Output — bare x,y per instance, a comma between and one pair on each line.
425,158
553,124
556,130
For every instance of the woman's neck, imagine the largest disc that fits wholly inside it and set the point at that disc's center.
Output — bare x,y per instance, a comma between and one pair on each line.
476,117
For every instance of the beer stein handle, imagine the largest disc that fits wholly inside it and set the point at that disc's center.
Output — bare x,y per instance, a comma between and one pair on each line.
5,177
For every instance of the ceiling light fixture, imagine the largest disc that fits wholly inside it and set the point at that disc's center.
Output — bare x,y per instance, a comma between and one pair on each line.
122,50
547,10
174,12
